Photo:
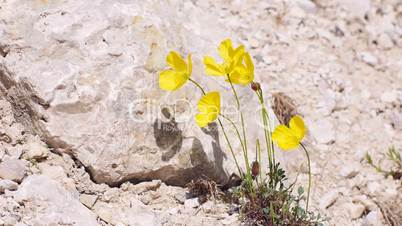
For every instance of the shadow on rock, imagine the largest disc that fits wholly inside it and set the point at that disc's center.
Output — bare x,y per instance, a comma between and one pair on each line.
168,136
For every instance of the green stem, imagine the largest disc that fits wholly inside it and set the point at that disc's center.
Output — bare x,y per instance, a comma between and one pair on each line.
258,147
242,125
198,85
223,130
239,136
230,147
269,134
267,131
268,121
309,175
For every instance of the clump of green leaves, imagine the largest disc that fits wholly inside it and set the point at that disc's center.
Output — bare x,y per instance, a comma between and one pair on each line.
271,202
395,157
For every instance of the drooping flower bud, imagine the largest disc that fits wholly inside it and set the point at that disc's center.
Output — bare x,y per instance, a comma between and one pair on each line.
255,169
255,86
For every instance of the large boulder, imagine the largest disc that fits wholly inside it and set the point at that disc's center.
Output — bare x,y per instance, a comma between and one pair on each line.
84,76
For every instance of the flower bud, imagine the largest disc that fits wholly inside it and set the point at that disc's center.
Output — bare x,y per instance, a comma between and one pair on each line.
255,169
255,86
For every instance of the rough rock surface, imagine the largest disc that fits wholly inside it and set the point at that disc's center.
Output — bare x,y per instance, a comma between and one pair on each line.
59,191
49,202
12,169
135,213
7,185
83,75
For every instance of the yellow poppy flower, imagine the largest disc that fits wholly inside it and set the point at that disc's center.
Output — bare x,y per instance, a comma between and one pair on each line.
289,138
231,58
243,74
209,108
178,74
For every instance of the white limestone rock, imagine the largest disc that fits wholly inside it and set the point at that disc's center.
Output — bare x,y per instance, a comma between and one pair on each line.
349,170
373,218
58,174
369,58
132,213
48,203
7,185
323,131
87,73
13,169
36,150
355,210
88,200
307,5
191,203
328,199
385,41
358,8
389,97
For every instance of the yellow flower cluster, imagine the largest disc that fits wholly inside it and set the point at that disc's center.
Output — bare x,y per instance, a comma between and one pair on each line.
237,67
237,64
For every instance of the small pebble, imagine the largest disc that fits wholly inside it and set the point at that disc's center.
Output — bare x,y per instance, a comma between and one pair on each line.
13,169
88,200
389,97
191,203
328,199
373,218
7,185
355,210
368,58
349,170
36,150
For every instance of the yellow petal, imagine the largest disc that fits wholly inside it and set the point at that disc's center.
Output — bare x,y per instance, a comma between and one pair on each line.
248,61
236,76
241,76
236,60
285,138
189,65
225,49
175,61
201,120
213,68
297,126
171,80
209,107
210,102
238,53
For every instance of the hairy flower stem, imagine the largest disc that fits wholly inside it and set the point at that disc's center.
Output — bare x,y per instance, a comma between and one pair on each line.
267,133
236,129
270,135
223,130
309,174
198,85
258,147
230,147
243,127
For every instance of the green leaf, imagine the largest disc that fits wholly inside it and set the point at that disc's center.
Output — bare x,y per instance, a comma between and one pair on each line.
300,190
369,159
266,210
